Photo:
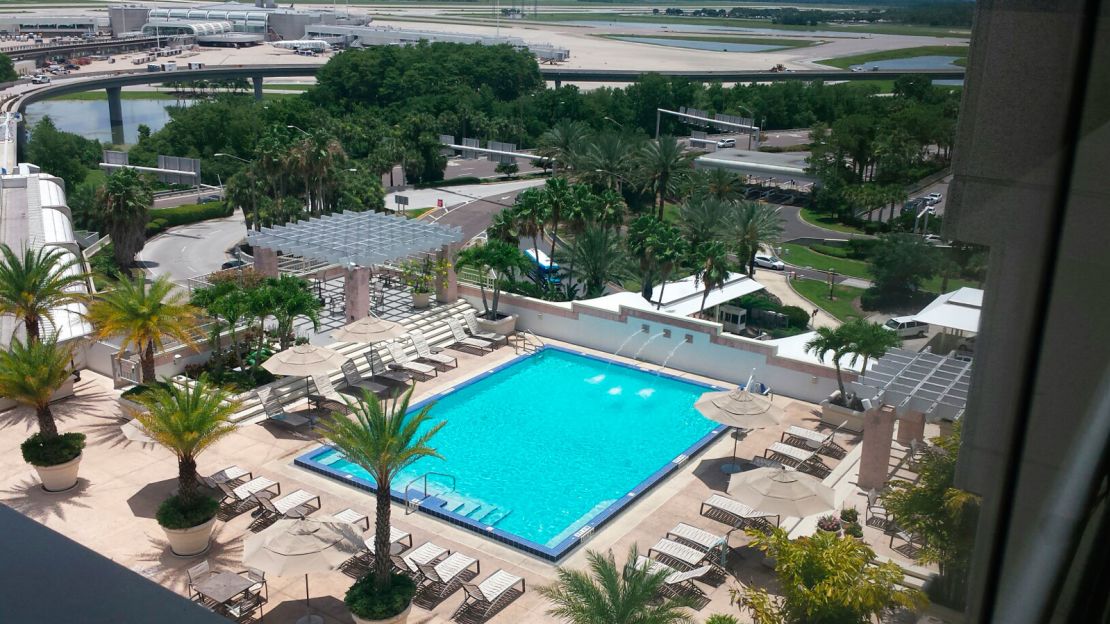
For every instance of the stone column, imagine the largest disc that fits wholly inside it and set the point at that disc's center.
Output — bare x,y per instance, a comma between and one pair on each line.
874,462
356,293
911,426
265,261
115,114
447,286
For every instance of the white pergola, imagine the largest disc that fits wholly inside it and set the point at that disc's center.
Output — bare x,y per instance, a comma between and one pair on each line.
923,382
356,238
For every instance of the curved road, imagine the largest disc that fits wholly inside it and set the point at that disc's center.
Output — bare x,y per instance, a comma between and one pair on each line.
191,250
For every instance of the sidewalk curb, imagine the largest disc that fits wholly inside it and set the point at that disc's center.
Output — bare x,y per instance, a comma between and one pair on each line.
790,284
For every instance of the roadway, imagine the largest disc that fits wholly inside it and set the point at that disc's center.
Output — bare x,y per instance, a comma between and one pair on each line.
191,250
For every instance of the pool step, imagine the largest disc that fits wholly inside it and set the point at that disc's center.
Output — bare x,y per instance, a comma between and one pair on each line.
495,516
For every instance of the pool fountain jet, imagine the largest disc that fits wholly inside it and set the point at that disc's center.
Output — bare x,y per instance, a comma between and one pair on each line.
626,341
644,346
668,358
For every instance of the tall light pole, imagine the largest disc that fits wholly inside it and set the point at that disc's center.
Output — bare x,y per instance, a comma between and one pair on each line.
222,155
751,130
303,131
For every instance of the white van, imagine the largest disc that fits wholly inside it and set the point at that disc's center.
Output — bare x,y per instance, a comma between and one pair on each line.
726,143
906,327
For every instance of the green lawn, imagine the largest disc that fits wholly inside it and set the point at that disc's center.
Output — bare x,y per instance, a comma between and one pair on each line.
413,213
781,43
817,292
845,62
802,256
827,222
286,87
101,95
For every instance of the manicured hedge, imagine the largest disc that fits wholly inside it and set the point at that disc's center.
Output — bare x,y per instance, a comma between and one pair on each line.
164,218
452,182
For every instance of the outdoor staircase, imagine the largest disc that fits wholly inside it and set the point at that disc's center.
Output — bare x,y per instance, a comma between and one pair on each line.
431,322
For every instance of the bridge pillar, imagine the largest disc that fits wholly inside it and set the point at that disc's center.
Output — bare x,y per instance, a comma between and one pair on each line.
257,80
558,83
115,114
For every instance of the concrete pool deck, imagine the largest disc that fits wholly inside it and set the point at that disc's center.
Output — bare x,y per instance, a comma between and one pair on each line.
122,483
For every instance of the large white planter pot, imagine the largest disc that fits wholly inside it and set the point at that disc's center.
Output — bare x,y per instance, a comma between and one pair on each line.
61,477
400,618
421,300
835,415
191,541
505,326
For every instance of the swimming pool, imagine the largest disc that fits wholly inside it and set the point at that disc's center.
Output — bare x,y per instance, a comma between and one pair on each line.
547,447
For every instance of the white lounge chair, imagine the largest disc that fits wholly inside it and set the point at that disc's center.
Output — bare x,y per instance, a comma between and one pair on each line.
326,395
491,594
812,440
410,563
463,342
275,411
676,583
701,539
405,362
429,354
242,497
351,516
296,504
679,553
735,513
399,542
446,575
355,380
803,460
391,378
471,319
232,475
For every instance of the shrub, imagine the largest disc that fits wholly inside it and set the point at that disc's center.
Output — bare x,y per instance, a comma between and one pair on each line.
155,226
835,251
860,248
165,218
828,523
364,602
849,514
721,618
39,451
173,515
795,316
853,530
452,182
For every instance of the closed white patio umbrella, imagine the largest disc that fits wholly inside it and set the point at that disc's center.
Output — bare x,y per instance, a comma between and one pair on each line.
302,546
782,492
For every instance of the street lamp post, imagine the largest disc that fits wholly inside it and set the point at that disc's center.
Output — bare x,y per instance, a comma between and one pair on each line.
292,127
751,131
222,155
832,281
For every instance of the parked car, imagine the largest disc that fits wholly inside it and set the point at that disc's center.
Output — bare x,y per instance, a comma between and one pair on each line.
233,264
769,262
906,327
726,143
933,198
933,239
40,79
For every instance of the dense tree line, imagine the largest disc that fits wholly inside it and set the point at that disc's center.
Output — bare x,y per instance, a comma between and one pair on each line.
955,14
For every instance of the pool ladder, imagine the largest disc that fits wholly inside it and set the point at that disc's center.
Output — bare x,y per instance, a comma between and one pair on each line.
529,343
412,503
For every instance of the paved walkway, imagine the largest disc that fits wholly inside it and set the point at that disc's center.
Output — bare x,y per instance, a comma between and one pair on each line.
775,282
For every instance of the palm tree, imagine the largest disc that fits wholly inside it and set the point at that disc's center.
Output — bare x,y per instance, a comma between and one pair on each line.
506,226
563,143
31,373
384,440
598,257
245,190
609,594
662,164
557,196
835,341
757,226
187,420
607,160
870,340
704,218
671,251
502,259
144,316
713,268
720,184
123,206
530,210
289,299
36,282
610,209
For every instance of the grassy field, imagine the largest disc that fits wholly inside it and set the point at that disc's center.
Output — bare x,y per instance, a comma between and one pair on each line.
879,29
781,43
842,307
802,256
845,62
827,222
286,87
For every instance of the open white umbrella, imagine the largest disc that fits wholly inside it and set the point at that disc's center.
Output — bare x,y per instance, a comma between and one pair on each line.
304,361
739,408
782,492
369,330
302,546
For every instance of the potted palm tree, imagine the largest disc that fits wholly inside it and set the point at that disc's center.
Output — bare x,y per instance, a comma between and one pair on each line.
839,408
30,374
381,437
502,260
613,594
144,316
187,420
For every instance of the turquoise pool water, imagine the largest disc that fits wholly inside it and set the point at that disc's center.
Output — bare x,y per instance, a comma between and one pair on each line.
541,447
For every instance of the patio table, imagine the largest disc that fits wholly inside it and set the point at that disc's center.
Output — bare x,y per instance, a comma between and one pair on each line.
220,587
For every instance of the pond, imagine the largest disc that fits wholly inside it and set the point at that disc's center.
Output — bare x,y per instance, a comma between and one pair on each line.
89,118
716,46
915,62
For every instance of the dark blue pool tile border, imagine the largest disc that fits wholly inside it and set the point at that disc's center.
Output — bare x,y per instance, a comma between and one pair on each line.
433,506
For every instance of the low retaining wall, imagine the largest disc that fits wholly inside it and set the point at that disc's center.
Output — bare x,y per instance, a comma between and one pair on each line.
709,352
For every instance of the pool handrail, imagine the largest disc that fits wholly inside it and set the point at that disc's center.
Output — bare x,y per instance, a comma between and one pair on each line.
412,504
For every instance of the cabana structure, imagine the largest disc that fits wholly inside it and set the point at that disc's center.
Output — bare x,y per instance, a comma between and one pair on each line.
356,242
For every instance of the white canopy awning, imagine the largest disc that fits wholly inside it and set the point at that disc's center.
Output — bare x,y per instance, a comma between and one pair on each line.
684,297
957,310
